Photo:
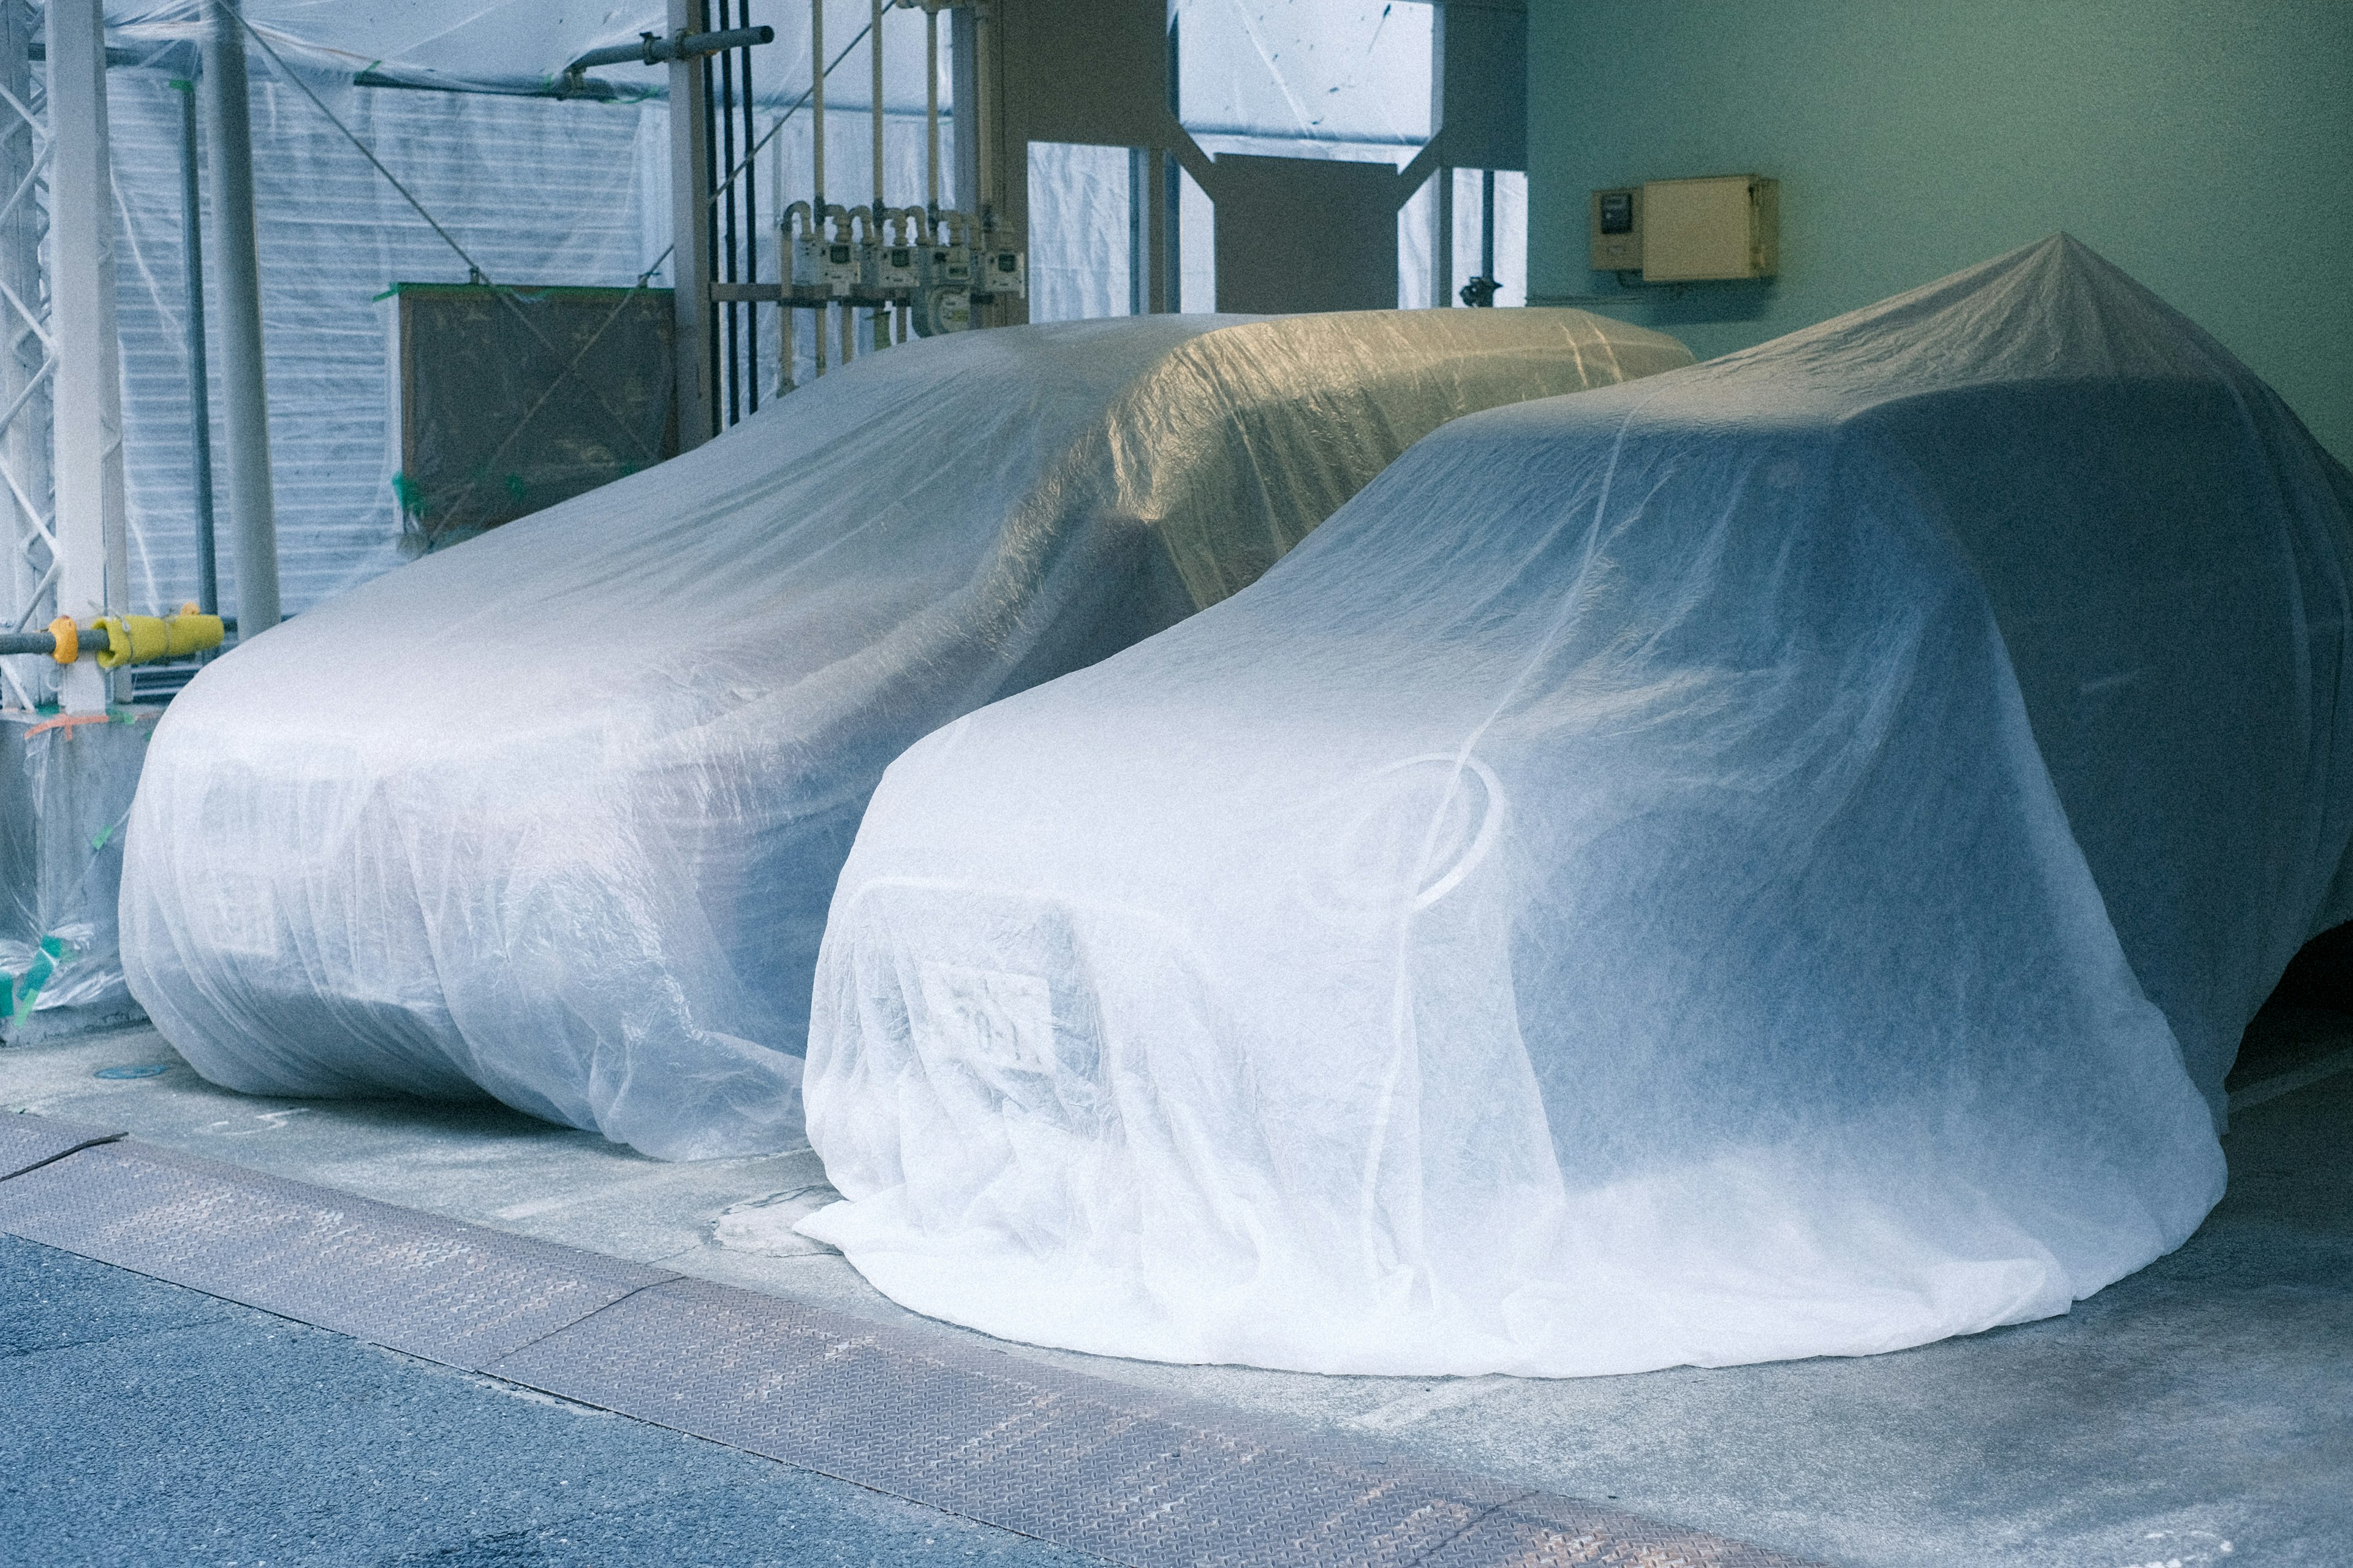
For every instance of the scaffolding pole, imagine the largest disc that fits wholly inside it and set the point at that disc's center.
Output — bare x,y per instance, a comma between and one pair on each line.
200,395
690,187
236,258
93,557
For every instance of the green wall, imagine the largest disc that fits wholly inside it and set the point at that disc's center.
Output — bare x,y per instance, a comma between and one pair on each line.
2206,148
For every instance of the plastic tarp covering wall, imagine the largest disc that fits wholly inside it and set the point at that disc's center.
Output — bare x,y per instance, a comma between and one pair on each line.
405,843
575,193
1305,78
1081,247
541,192
515,45
1769,862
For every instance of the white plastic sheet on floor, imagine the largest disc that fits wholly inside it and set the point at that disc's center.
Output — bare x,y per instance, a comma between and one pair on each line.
556,812
1772,860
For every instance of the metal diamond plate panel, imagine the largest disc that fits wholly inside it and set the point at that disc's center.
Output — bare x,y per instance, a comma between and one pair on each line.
1067,1458
454,1293
27,1142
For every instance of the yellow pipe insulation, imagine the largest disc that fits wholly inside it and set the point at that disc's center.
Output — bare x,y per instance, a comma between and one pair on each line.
139,639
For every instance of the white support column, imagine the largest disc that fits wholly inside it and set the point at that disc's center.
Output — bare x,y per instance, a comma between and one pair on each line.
237,259
689,202
93,577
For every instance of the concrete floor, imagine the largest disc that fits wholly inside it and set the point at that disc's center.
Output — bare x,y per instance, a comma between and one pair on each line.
2198,1413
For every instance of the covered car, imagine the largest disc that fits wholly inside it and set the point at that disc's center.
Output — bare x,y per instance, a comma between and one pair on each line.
555,813
1771,860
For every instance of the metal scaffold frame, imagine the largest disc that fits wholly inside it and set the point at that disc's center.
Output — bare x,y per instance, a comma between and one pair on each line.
29,360
909,269
62,484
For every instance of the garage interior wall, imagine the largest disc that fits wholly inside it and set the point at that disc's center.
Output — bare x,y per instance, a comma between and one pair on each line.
2202,147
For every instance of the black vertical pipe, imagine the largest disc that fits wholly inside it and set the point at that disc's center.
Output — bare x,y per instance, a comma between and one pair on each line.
1139,231
200,402
1487,228
1172,191
749,183
712,176
726,166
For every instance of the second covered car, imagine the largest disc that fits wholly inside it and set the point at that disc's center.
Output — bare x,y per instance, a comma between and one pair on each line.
1773,860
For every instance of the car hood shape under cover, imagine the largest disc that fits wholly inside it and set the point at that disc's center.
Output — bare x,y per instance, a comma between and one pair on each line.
556,812
1772,860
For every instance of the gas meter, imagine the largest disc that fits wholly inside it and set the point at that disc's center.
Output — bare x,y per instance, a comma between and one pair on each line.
946,266
1004,274
830,266
939,311
891,268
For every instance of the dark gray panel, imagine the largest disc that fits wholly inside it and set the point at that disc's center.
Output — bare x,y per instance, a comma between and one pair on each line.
1305,234
450,1292
509,400
1483,93
1067,1458
1086,71
29,1141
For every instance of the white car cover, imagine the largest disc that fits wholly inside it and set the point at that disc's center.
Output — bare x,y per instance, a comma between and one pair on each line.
1769,862
556,812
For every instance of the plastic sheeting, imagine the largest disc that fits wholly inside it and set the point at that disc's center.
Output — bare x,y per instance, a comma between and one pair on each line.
1305,78
1082,232
542,192
570,193
66,786
1769,862
522,46
556,812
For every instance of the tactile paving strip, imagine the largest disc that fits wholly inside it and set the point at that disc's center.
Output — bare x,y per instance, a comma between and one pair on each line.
1078,1461
1068,1459
28,1143
450,1292
1063,1456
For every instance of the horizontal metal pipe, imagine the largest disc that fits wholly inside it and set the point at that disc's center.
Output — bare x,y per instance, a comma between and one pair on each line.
45,643
653,49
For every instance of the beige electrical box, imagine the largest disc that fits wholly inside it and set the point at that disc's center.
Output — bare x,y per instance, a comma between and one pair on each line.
1617,230
1709,230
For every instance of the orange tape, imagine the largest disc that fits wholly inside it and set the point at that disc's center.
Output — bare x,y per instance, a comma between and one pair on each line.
67,722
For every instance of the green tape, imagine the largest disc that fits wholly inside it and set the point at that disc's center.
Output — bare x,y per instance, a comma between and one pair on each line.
54,955
104,833
410,494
